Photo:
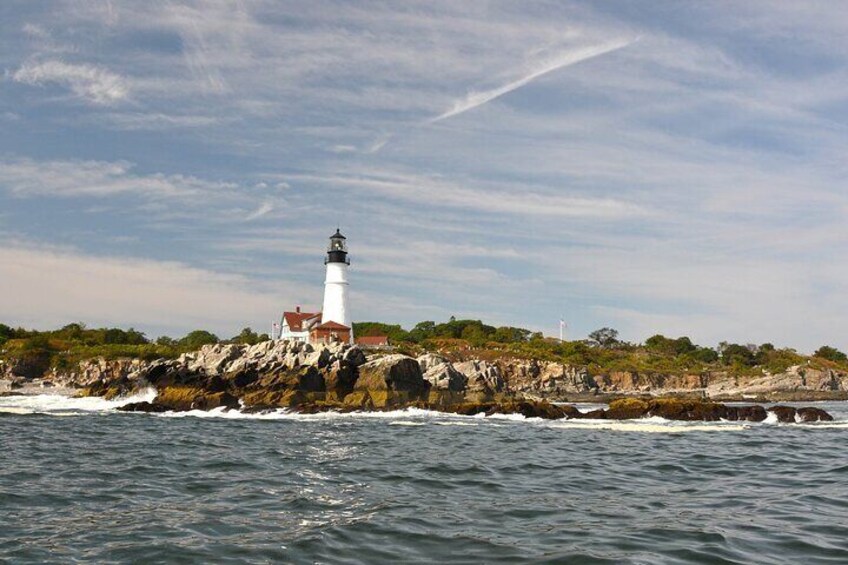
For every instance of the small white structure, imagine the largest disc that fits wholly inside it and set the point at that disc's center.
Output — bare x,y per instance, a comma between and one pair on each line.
336,285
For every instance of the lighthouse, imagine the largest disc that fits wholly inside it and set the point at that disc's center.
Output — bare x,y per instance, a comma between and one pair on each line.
332,325
335,309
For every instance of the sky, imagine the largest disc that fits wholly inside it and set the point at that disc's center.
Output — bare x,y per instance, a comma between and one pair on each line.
656,167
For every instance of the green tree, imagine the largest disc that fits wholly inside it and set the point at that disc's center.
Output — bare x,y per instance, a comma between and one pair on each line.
831,354
6,333
604,337
474,334
422,331
198,338
247,337
166,341
508,334
119,336
73,331
704,355
667,346
395,333
733,353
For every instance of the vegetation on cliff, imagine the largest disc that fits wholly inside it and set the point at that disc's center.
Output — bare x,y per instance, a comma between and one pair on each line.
66,347
602,353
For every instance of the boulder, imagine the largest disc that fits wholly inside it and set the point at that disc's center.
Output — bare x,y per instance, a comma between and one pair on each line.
626,409
213,359
354,356
30,366
531,409
442,400
142,407
482,376
242,378
693,410
431,360
441,375
339,379
306,378
812,414
392,372
388,382
785,414
265,399
181,398
754,413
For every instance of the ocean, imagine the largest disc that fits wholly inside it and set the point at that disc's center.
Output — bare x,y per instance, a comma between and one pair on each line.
83,483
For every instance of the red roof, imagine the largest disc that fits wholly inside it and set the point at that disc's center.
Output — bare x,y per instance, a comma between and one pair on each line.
373,340
331,325
295,319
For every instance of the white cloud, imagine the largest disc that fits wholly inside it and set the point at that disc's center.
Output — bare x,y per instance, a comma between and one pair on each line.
264,209
571,57
49,287
721,148
27,177
91,83
343,148
512,199
154,121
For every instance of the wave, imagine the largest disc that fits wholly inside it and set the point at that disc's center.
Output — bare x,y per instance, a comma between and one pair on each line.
650,425
63,405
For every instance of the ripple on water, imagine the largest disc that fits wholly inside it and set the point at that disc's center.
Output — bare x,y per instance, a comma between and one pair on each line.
414,486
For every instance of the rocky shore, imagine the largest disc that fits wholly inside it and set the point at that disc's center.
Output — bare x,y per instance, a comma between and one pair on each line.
306,378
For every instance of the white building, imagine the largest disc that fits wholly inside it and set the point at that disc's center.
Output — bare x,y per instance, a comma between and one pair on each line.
333,322
296,325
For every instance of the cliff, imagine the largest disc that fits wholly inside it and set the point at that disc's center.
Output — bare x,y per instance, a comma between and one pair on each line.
334,370
306,378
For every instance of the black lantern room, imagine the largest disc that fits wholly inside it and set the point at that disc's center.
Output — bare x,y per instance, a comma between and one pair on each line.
337,250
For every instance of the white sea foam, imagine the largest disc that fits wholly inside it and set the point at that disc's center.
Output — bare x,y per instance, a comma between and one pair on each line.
63,405
407,423
652,425
457,423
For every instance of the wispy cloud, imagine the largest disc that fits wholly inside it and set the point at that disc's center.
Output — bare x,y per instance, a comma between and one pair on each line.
571,57
511,199
264,209
91,83
28,177
158,296
718,143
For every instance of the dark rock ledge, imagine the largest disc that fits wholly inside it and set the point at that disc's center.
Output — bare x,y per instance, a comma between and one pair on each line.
305,379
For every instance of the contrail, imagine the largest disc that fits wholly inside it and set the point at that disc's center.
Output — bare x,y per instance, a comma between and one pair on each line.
475,99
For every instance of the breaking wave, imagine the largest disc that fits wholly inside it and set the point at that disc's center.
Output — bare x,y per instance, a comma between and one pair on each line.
63,405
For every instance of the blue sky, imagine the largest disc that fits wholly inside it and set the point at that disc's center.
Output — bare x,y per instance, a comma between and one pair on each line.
671,167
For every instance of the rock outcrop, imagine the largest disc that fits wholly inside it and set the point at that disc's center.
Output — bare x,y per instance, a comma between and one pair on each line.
482,376
701,410
441,374
386,382
307,378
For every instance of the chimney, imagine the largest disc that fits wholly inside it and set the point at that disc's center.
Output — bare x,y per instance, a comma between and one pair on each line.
298,309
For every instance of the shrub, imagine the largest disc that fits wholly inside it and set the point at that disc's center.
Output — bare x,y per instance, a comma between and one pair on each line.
831,354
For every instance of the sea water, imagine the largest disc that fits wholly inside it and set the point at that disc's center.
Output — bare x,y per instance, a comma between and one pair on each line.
82,482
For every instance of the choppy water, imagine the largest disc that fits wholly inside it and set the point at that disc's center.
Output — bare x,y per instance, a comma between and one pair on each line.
80,482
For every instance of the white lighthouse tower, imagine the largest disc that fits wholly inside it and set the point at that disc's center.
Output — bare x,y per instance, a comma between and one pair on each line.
336,285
